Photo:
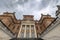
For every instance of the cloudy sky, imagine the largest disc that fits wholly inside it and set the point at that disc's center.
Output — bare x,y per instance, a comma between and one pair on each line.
29,7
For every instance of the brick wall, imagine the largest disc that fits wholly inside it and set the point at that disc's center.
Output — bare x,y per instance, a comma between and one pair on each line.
11,23
45,21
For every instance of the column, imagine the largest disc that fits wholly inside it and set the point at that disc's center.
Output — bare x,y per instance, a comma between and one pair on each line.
19,32
25,32
35,31
30,31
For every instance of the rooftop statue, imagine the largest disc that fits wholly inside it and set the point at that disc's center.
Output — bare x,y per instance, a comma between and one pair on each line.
58,6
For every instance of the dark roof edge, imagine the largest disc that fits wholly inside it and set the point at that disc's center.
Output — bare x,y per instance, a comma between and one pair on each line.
7,27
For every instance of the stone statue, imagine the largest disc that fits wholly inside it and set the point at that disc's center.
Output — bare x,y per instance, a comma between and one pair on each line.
58,6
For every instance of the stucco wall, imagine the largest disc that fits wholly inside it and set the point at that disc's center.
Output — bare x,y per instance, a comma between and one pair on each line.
53,34
4,33
4,36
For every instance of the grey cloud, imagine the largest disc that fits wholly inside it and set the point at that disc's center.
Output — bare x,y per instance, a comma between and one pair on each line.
28,7
44,4
22,2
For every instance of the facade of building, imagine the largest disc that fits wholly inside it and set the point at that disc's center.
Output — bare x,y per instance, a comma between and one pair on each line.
27,29
46,28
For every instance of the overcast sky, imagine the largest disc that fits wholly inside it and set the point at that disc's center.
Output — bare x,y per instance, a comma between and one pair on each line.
29,7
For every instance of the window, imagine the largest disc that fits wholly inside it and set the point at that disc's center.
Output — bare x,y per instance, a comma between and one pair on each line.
22,34
27,31
22,31
23,26
32,34
18,27
13,27
32,26
36,27
27,34
27,27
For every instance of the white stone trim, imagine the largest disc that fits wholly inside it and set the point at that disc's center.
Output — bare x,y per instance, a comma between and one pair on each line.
25,32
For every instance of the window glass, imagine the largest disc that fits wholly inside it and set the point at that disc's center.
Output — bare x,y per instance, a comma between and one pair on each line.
27,34
22,31
32,27
22,34
27,27
13,27
23,26
32,34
